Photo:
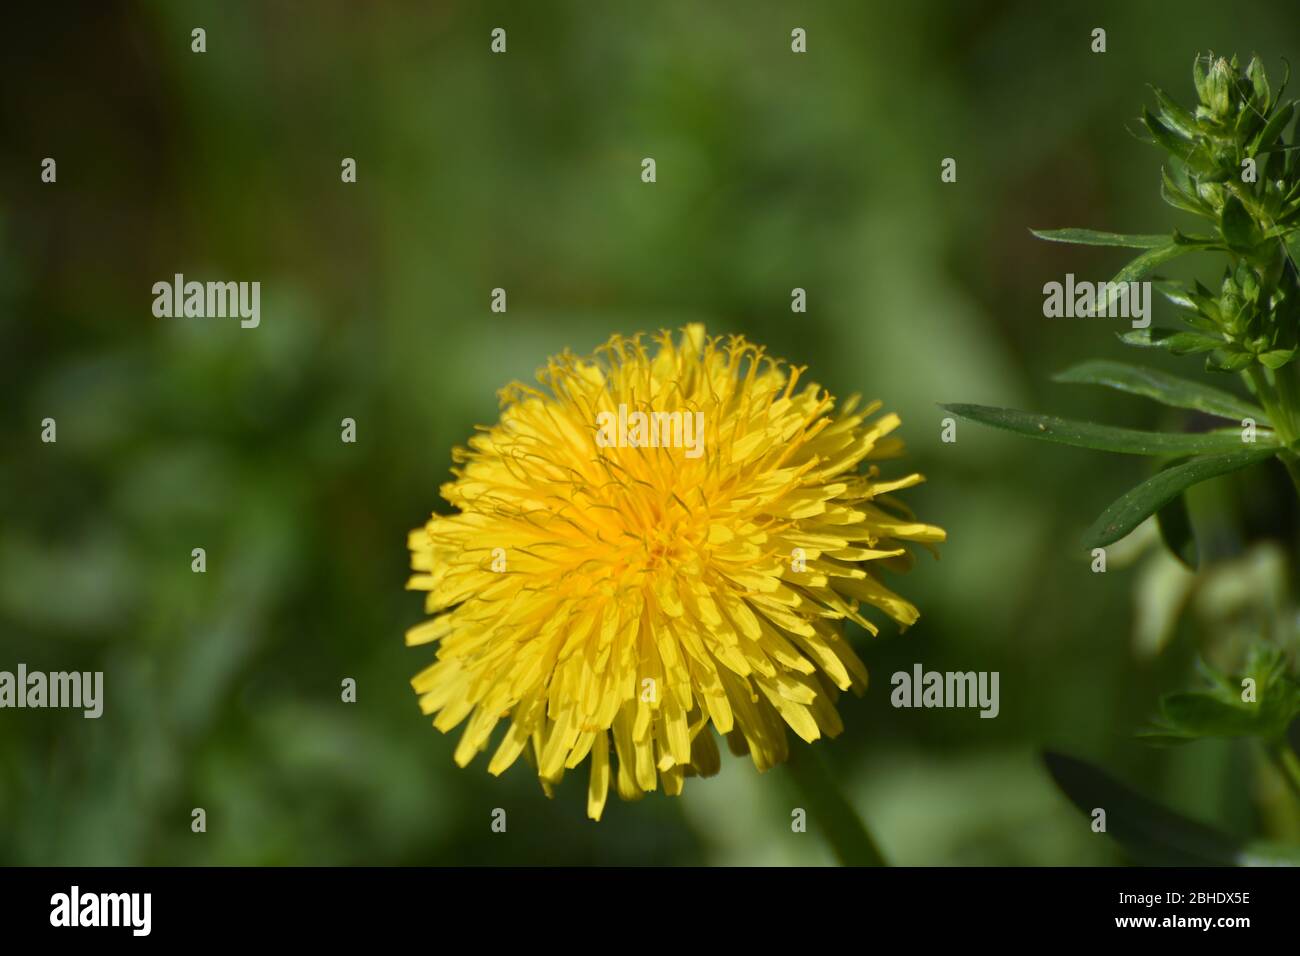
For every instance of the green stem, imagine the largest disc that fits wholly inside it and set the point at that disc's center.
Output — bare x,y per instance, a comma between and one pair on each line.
1268,397
1281,401
840,824
1292,464
1288,397
1287,764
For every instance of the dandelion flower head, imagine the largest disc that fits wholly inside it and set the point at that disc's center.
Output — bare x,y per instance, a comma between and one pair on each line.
613,587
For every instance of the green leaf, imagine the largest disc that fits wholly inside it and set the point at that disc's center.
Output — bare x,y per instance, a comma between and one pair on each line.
1171,141
1238,227
1220,710
1178,343
1162,387
1276,358
1092,237
1175,117
1139,503
1153,258
1151,833
1129,441
1272,129
1227,361
1159,249
1175,292
1175,524
1201,242
1255,73
1199,75
1180,198
1293,248
1199,714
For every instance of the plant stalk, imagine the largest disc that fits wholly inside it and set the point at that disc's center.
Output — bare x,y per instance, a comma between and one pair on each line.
1287,764
840,824
1281,400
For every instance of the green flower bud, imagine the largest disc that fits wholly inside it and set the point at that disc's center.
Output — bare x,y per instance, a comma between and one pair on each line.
1218,89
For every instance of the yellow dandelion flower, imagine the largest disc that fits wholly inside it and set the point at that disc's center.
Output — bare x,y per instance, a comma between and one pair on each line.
650,544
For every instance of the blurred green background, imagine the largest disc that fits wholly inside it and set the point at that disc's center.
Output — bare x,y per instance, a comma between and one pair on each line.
522,171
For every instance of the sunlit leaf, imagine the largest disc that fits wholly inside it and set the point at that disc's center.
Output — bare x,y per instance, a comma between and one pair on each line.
1153,258
1162,387
1129,441
1179,146
1093,237
1171,340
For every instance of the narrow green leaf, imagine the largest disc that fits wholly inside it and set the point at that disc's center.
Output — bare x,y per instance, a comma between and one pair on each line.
1199,75
1162,387
1093,237
1152,259
1255,73
1153,834
1175,117
1136,505
1272,129
1128,441
1159,250
1179,343
1175,292
1171,141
